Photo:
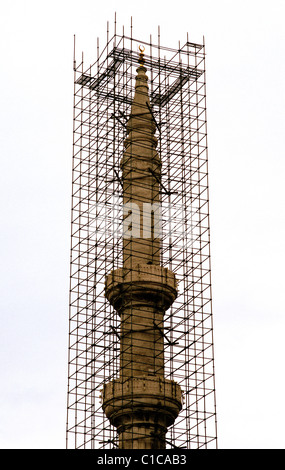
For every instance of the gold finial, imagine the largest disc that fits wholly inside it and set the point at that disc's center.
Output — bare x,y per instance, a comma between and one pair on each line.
141,57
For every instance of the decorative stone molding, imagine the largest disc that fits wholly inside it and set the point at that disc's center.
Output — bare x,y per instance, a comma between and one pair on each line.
142,408
158,282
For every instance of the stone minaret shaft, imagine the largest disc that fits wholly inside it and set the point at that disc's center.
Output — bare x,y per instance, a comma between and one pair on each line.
141,403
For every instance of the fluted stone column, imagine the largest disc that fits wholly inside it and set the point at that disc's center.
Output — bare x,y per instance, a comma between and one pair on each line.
141,404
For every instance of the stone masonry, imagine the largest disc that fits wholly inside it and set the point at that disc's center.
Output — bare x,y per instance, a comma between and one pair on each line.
141,403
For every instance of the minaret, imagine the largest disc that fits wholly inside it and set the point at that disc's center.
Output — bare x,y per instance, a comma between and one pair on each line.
141,403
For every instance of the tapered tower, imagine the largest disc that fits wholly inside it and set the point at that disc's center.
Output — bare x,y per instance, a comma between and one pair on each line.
141,403
141,356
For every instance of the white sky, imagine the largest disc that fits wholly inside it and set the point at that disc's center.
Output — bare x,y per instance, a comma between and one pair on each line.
245,44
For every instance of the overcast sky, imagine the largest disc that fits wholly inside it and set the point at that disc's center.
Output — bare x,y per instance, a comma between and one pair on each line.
245,45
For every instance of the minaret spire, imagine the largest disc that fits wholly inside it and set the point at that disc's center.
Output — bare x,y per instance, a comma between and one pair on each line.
141,167
141,403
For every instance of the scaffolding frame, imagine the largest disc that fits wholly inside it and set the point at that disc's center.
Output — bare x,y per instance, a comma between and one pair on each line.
102,97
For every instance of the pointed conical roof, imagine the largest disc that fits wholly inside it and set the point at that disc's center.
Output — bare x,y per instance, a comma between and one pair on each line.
141,125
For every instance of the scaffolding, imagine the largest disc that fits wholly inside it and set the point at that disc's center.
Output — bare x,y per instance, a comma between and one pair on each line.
103,95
